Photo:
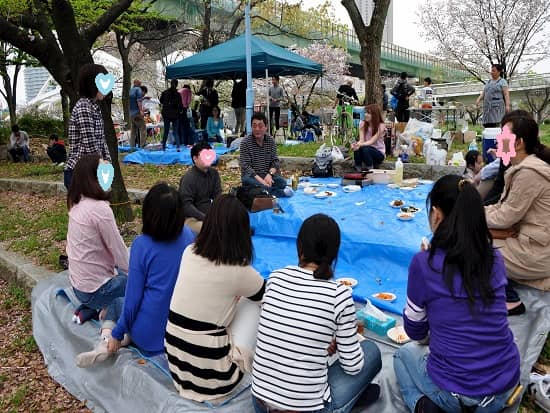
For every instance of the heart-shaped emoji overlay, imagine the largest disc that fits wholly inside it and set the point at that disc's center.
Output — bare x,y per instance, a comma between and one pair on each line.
105,175
105,83
207,156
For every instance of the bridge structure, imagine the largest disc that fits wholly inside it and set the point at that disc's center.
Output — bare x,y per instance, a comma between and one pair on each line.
394,59
467,92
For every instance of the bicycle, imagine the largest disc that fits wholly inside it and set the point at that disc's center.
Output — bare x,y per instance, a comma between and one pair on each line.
343,126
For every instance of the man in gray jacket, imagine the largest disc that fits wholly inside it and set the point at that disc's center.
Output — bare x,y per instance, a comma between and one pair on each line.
19,144
199,187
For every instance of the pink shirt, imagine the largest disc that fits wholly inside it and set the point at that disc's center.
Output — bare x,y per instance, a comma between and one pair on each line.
185,96
379,144
94,245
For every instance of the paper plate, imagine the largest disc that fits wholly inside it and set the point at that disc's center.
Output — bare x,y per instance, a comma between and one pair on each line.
351,188
348,282
324,194
314,184
392,203
393,186
310,190
398,335
333,185
407,188
411,209
405,216
389,297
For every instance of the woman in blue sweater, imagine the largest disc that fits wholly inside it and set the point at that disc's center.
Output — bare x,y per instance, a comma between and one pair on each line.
456,297
214,125
154,266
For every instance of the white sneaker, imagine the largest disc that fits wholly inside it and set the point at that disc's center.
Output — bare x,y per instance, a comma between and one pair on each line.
99,353
288,191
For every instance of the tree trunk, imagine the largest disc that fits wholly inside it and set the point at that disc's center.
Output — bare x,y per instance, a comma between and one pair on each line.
10,92
205,34
66,112
126,74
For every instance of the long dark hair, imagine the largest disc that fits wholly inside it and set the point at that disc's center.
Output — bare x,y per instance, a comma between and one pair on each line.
84,182
526,128
225,236
318,242
471,158
375,116
86,79
162,213
463,236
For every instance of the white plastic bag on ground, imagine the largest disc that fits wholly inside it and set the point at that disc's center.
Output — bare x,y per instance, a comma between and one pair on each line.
337,155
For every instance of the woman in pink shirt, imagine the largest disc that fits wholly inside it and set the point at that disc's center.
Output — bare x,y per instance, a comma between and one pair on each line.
97,254
370,148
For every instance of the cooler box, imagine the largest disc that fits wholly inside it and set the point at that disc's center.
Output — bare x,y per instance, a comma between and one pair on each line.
489,141
358,115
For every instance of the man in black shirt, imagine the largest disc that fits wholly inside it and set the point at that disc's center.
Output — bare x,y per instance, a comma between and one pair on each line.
346,94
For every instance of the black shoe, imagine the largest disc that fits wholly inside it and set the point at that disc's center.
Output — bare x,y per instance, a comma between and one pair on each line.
368,397
519,310
64,262
425,405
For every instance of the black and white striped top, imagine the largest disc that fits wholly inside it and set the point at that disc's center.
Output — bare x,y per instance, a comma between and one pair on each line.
255,159
300,317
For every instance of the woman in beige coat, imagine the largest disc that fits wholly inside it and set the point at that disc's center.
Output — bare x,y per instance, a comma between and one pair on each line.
520,221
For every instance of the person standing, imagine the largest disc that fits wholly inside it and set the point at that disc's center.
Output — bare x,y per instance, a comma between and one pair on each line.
210,99
496,98
86,131
238,103
171,103
276,94
402,92
19,144
186,137
259,161
138,129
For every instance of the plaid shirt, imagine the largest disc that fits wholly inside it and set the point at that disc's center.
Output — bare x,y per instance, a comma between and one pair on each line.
86,134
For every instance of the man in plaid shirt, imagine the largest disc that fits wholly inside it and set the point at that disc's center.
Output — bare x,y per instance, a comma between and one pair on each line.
86,132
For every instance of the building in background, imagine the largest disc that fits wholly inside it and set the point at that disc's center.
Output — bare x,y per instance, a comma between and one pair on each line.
36,81
366,8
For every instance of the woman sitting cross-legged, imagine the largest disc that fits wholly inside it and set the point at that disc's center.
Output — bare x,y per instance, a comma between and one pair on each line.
456,297
205,362
96,251
305,317
140,316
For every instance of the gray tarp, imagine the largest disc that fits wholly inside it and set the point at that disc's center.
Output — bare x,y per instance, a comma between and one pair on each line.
124,385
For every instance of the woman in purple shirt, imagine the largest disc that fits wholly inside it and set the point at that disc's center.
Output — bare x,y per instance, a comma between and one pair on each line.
456,298
370,149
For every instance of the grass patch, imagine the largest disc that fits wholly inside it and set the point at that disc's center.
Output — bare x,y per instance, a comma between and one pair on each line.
306,150
16,297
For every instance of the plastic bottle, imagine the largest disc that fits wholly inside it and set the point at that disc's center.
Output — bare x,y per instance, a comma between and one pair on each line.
472,146
398,171
294,183
276,207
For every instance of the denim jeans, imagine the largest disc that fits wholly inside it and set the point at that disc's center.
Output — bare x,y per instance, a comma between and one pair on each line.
67,178
175,132
369,155
409,363
279,184
345,389
105,297
19,151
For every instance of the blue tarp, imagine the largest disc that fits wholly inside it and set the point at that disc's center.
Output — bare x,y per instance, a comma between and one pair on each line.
376,247
228,60
169,157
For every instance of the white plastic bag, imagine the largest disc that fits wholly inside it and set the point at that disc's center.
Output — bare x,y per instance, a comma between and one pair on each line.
370,309
337,155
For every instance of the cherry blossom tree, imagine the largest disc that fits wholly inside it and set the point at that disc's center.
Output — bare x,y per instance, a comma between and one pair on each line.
478,33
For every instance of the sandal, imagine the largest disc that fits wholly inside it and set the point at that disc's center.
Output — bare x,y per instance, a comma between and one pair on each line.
539,389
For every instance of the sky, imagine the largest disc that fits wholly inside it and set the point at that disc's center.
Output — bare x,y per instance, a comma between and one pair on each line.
405,26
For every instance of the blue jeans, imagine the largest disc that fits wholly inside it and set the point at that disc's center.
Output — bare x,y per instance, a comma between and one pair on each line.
409,363
369,155
279,184
105,297
19,151
175,132
67,178
345,389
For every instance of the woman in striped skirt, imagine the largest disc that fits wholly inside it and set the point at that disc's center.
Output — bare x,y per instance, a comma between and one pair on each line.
215,273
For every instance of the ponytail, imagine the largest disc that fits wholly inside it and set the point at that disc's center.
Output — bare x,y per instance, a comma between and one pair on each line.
324,271
464,236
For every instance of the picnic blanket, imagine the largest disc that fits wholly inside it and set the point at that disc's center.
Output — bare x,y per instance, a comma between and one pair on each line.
169,157
132,383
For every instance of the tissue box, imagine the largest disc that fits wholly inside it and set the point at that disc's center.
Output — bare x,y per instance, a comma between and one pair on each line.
374,324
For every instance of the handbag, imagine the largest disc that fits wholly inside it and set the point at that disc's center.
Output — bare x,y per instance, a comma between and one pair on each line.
261,203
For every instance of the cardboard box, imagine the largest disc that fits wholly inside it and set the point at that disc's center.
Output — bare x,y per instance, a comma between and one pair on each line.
457,136
400,127
469,136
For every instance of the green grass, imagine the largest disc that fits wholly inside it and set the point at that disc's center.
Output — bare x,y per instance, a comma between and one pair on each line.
16,298
301,150
18,397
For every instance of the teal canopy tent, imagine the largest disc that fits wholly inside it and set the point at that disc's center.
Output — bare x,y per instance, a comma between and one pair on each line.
228,61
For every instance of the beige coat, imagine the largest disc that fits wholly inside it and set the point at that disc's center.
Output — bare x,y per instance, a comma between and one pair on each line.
525,203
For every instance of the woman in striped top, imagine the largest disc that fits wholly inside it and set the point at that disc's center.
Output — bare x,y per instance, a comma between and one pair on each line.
215,273
304,314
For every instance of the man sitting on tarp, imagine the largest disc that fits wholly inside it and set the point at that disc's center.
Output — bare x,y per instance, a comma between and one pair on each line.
259,162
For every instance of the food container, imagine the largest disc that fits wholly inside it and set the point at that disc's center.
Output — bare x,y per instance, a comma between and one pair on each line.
382,176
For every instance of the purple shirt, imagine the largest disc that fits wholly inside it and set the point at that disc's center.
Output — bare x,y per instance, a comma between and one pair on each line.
470,354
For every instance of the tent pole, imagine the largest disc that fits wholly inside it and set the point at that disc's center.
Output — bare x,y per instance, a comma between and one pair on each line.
248,51
267,102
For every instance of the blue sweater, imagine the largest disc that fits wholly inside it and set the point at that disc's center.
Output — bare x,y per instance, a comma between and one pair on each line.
154,268
470,354
213,126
